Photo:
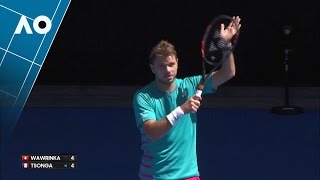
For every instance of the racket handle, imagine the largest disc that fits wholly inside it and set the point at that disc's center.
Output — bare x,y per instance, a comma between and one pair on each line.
199,92
200,89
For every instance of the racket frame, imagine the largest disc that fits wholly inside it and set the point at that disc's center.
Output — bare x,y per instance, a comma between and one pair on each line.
206,76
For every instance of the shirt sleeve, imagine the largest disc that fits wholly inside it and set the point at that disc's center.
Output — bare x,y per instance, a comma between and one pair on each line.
143,110
195,80
208,86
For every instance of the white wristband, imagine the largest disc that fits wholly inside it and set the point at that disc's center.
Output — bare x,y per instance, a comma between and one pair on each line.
175,115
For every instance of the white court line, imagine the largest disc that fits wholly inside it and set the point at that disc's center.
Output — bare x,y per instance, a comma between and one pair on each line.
6,50
15,12
8,94
20,57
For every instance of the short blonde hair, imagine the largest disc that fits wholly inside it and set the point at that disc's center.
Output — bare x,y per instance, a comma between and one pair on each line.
163,49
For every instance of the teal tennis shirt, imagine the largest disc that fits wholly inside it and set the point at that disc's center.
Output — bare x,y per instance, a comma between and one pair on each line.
174,155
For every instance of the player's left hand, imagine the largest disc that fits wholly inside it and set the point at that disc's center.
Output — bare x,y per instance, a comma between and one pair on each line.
232,29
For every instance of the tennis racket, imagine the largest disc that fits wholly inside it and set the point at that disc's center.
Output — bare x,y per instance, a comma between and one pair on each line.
218,42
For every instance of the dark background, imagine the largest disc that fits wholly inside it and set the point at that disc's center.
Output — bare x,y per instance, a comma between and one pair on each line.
109,42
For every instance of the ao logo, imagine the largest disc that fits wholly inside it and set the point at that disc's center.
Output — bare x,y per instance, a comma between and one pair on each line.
39,28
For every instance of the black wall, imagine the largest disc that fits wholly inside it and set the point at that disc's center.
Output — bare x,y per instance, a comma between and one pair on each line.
109,42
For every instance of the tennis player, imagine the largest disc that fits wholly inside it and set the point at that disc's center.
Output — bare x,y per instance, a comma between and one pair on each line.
165,114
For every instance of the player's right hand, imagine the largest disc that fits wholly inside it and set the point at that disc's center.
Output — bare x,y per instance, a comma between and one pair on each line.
191,105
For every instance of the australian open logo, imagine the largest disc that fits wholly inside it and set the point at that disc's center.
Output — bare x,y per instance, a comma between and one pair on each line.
41,25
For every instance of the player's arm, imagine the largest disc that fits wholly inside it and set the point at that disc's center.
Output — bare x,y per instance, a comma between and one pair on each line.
228,69
155,129
226,72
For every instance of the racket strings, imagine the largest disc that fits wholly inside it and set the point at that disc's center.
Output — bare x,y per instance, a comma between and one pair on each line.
216,49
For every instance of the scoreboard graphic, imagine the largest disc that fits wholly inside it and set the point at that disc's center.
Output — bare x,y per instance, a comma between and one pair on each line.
61,161
27,30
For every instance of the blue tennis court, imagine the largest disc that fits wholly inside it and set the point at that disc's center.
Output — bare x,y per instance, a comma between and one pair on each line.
233,144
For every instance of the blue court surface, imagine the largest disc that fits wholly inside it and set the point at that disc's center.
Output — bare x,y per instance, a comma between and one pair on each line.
27,30
242,144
